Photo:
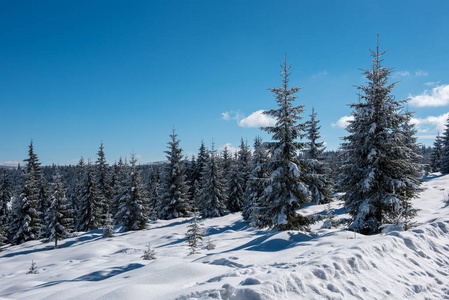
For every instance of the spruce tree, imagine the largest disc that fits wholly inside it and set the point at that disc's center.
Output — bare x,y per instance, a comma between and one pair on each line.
317,172
131,205
103,182
445,150
286,191
154,192
236,192
437,152
379,171
257,182
175,200
27,220
212,196
57,217
6,193
89,211
194,234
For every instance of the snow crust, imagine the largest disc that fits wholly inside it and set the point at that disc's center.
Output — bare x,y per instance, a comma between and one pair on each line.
246,263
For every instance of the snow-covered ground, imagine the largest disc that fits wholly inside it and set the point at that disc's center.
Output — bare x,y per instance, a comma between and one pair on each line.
246,264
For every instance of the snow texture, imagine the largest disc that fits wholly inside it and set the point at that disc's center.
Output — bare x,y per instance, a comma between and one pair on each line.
246,264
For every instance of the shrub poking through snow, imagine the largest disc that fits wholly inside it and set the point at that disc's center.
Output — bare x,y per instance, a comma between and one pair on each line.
108,230
194,235
33,268
210,243
330,218
149,254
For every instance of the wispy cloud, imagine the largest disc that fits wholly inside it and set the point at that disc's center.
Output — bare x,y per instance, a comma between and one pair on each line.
430,123
10,163
432,83
320,74
228,115
420,73
343,122
438,96
257,119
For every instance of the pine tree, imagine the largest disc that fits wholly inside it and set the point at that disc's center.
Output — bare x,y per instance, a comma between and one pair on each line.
6,192
90,212
149,254
175,200
194,234
257,182
236,191
239,178
379,173
212,196
286,191
103,182
108,229
317,172
131,205
445,151
57,217
437,152
27,220
154,192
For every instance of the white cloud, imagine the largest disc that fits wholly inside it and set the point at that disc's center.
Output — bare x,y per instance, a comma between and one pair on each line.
257,119
431,123
320,74
432,83
226,115
230,148
438,96
402,73
343,121
10,163
420,73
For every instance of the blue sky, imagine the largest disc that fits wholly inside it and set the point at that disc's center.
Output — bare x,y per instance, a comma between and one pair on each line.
75,73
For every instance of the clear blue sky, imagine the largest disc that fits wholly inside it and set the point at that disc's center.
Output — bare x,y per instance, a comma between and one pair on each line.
75,73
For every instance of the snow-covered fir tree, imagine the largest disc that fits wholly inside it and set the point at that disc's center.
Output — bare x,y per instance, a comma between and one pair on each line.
6,193
154,195
131,205
103,182
89,211
437,152
194,234
80,176
444,168
257,182
57,217
212,197
379,171
27,220
175,200
236,192
149,254
286,191
108,229
317,173
238,180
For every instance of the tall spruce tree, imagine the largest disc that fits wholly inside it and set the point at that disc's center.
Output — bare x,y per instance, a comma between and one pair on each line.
27,220
286,191
437,152
89,211
6,193
57,217
375,156
175,200
212,198
444,168
257,182
103,182
317,174
131,205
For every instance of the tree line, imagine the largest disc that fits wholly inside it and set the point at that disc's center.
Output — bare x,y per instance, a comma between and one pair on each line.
376,170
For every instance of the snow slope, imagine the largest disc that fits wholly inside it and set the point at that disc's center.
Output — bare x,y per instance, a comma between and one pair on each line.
246,264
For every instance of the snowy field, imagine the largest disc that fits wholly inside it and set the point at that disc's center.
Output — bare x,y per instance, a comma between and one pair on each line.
246,263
